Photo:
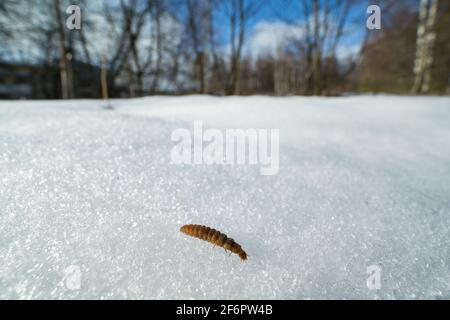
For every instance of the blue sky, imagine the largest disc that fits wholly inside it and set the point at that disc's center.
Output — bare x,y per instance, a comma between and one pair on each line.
281,11
277,9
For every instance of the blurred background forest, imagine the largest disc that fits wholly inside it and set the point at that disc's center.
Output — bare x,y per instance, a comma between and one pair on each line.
132,48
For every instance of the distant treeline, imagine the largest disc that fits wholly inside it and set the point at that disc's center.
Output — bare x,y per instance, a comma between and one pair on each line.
130,48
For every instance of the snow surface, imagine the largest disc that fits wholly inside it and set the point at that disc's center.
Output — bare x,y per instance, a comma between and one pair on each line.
362,181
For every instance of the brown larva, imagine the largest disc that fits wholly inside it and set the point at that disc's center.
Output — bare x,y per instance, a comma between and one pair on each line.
215,237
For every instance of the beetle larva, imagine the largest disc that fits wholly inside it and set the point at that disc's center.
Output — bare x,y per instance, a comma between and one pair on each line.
215,237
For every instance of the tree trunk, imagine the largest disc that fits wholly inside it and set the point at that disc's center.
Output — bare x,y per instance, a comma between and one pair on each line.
238,16
155,82
424,48
63,55
237,78
104,80
317,55
104,83
201,66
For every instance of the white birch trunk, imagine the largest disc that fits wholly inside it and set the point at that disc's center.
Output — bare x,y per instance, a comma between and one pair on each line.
424,48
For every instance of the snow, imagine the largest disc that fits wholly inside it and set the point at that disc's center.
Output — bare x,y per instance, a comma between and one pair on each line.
362,181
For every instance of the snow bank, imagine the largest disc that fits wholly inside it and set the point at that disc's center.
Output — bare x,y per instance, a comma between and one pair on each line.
363,181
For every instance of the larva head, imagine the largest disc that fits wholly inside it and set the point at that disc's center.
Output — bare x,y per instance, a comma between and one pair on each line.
242,255
236,248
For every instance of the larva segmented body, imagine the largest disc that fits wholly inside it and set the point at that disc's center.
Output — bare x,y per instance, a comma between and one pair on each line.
215,237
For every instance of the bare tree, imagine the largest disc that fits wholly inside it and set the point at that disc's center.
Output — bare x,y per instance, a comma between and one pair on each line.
135,14
199,27
65,56
143,44
238,12
127,21
322,23
8,11
156,13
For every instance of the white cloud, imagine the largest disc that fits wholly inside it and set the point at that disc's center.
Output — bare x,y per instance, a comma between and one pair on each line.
344,52
269,37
